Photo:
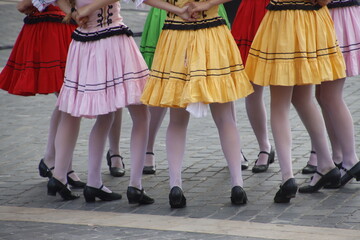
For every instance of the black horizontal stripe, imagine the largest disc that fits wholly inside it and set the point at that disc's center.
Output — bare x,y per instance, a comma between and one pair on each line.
206,23
76,86
279,58
36,62
313,52
355,49
112,80
191,76
32,67
105,33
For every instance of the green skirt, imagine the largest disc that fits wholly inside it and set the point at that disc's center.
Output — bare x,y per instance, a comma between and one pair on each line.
152,28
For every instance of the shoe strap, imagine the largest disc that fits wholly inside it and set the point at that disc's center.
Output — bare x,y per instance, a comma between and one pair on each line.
264,152
101,186
116,155
321,175
70,172
312,152
150,153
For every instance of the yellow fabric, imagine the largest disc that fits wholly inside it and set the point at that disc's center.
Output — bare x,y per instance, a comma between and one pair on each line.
295,47
192,66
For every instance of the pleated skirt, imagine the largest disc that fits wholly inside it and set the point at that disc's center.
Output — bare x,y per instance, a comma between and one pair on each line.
191,66
295,47
37,61
347,26
102,76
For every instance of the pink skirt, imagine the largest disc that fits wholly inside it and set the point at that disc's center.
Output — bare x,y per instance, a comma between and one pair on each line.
102,76
347,26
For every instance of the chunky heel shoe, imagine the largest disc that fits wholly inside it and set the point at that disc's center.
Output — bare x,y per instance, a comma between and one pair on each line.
331,178
286,192
263,168
137,196
44,171
115,171
90,193
73,183
354,172
177,198
238,196
149,169
55,186
245,163
309,169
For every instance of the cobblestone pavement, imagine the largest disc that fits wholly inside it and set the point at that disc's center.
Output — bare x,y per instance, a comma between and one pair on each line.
23,131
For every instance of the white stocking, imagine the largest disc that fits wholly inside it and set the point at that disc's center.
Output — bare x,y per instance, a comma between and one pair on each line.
223,115
97,141
175,144
139,136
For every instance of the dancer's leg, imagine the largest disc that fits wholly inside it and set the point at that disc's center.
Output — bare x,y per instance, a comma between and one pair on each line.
49,155
157,115
280,125
65,140
332,102
114,139
302,99
97,141
229,138
175,144
256,111
335,144
139,137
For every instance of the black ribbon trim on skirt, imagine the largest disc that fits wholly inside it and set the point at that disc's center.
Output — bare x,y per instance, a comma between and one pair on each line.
290,5
207,23
344,4
33,19
94,36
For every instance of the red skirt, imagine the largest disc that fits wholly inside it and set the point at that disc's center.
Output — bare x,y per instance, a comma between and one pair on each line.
37,61
246,24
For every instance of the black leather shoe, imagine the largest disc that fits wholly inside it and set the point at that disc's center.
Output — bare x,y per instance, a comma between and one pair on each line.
73,183
44,171
354,172
55,186
263,168
286,192
149,169
332,178
90,193
309,169
245,164
238,196
137,196
115,171
177,198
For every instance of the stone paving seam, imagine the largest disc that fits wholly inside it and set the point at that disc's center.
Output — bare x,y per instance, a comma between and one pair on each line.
169,223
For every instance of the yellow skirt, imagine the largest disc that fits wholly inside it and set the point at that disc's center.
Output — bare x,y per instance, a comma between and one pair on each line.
190,66
295,47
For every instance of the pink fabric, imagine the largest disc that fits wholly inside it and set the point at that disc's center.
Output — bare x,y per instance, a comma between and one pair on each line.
347,26
104,75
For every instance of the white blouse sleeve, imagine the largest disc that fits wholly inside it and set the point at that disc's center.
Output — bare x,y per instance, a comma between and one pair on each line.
42,4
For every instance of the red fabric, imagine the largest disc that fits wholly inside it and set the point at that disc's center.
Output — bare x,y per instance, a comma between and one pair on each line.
246,24
37,61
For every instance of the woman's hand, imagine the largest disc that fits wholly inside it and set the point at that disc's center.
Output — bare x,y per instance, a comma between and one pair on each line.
196,7
26,7
185,14
81,16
